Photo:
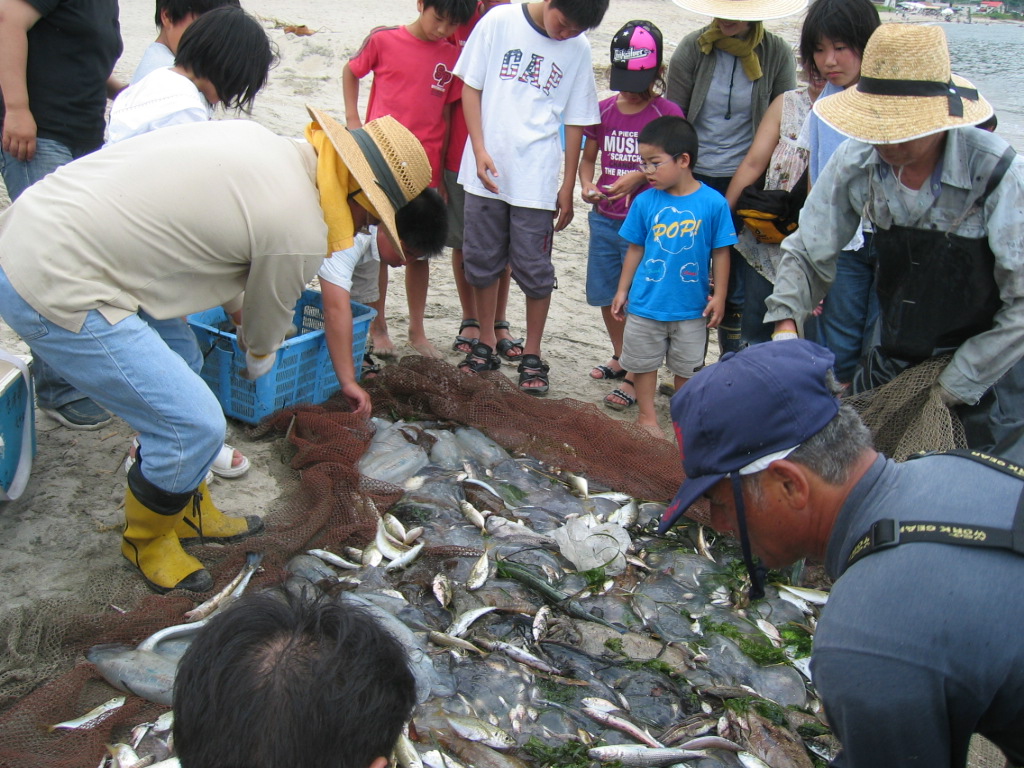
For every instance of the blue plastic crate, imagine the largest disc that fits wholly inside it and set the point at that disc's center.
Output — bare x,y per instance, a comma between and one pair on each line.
302,372
13,396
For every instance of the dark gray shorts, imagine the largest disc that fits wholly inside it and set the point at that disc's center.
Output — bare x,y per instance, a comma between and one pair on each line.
456,204
498,235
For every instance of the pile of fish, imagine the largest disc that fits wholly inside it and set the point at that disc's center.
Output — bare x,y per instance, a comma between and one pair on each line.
546,624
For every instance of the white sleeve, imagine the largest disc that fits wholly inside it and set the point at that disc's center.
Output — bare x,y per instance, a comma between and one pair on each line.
340,265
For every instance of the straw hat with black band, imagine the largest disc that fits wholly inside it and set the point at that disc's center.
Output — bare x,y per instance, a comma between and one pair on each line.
743,10
386,159
906,90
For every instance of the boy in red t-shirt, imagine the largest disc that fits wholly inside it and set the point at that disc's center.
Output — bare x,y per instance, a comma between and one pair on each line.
412,82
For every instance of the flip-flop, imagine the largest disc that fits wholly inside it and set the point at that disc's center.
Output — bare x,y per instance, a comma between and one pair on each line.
630,400
221,465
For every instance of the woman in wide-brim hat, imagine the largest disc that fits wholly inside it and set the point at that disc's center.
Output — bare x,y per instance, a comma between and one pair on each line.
724,76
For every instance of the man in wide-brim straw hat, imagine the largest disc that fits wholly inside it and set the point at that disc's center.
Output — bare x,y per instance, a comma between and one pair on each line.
100,261
945,200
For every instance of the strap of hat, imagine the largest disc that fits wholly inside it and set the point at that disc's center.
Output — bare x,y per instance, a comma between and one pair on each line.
953,92
758,573
383,176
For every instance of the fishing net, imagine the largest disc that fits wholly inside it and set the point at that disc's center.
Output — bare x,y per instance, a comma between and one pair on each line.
44,677
906,415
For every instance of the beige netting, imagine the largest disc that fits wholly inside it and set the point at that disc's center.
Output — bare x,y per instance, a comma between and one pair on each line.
44,678
906,415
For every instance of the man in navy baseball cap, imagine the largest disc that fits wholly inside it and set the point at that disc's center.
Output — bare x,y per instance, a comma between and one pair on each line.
907,658
736,417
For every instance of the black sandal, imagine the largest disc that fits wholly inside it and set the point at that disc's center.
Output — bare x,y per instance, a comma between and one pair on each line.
370,367
531,369
504,345
607,372
462,343
628,400
480,358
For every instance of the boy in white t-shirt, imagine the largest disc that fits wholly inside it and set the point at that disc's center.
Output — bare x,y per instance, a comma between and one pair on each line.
527,71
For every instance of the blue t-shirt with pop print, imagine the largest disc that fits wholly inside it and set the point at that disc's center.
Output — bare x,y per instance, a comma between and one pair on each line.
678,234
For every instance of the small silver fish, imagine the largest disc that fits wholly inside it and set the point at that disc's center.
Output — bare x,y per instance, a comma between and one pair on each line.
372,556
577,484
412,534
626,515
463,622
518,654
231,592
406,754
394,526
442,587
91,717
474,729
406,559
621,724
449,641
332,559
478,575
388,547
702,544
473,515
541,622
641,757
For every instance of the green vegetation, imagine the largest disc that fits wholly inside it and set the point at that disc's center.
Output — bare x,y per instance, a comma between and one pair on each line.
798,638
812,730
653,665
572,754
764,653
769,710
614,644
510,493
555,692
595,577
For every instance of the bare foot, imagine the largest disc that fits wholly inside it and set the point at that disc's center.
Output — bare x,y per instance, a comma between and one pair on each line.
653,429
425,348
383,346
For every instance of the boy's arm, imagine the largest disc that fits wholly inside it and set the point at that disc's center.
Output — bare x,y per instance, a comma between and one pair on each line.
625,185
588,165
634,256
446,115
350,92
338,332
715,310
485,169
563,209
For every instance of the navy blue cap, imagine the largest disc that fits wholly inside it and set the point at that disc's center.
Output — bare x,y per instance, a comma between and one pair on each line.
751,404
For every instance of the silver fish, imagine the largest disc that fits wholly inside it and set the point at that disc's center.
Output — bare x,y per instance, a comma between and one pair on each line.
372,556
394,526
91,717
450,641
412,534
474,729
332,559
463,622
442,587
478,575
406,754
577,484
473,515
231,592
388,547
405,560
123,756
541,622
522,656
626,515
141,673
435,758
641,757
621,724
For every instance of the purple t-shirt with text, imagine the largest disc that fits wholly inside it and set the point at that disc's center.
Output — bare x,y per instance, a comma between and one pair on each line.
619,150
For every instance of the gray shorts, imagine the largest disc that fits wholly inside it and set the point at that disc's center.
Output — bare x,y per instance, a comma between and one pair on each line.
499,235
682,344
365,281
456,204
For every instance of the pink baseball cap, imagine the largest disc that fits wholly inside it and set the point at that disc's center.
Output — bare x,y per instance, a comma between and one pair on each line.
636,57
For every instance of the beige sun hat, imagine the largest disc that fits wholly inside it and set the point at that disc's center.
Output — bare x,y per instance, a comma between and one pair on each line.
389,163
744,10
906,90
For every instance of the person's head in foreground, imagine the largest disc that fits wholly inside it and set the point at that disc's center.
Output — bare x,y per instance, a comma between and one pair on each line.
386,176
907,97
763,436
278,680
174,16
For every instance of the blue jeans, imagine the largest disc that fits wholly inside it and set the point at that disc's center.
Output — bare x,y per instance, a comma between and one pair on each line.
730,332
134,369
848,318
52,391
605,255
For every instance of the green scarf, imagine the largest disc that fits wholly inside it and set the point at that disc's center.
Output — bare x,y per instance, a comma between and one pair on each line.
741,48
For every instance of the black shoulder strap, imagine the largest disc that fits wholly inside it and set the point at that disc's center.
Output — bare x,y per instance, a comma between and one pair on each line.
998,172
887,533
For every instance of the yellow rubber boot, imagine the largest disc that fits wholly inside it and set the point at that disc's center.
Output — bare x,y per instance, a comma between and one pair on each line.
202,521
151,545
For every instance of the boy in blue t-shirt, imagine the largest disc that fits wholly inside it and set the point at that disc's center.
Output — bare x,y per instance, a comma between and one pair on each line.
679,232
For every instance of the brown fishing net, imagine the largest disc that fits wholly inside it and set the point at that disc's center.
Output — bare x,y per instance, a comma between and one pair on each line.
44,677
906,416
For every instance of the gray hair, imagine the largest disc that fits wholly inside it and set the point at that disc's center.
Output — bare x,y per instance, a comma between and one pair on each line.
830,453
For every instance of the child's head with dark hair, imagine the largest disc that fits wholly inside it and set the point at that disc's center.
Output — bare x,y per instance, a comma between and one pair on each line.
179,10
422,225
672,135
849,22
456,12
636,60
580,14
281,679
231,50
